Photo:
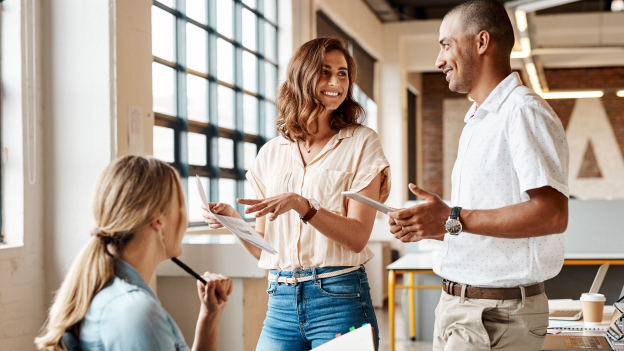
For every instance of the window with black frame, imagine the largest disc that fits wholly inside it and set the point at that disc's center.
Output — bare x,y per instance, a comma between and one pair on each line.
214,85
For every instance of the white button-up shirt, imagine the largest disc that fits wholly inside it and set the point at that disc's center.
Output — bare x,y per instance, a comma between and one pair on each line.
512,143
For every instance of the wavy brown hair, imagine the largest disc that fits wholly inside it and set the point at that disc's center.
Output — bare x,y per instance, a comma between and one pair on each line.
298,106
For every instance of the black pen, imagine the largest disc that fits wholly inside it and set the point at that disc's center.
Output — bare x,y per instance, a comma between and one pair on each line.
188,270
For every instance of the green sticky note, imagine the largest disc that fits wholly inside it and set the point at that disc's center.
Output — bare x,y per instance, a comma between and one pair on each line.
352,329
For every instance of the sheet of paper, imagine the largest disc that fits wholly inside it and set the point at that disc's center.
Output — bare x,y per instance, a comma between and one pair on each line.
237,226
360,339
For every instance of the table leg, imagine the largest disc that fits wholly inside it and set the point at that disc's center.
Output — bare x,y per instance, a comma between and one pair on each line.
412,322
391,306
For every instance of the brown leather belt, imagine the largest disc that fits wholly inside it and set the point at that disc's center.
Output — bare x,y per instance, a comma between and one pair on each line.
473,292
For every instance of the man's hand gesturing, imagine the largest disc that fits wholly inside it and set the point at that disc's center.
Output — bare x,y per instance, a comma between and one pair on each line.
424,221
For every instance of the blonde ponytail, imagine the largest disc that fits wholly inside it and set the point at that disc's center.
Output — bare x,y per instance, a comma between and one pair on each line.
127,194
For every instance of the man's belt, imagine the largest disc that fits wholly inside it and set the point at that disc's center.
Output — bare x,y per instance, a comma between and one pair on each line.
472,292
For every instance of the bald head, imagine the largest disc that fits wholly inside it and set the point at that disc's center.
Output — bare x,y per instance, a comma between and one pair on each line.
486,15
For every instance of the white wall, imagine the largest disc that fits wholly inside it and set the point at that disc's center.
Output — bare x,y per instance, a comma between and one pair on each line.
78,123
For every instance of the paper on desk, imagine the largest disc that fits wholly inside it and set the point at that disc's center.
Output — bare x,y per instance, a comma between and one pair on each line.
237,226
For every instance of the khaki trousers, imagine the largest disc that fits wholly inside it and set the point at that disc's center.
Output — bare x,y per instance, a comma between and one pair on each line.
479,324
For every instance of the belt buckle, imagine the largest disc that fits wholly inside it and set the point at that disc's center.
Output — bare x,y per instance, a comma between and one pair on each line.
294,278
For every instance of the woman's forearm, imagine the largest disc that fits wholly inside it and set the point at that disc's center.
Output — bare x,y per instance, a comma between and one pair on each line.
348,232
207,332
352,231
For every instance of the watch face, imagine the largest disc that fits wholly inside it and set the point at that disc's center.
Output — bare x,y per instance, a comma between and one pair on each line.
453,226
315,204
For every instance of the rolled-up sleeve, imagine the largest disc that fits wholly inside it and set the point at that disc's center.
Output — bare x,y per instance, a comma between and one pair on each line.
371,163
539,148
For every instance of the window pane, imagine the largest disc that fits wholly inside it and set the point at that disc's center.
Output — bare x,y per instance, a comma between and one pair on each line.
163,89
163,34
270,10
270,38
250,3
168,3
226,153
250,114
250,72
197,144
163,144
194,201
197,98
227,191
225,107
196,48
196,9
250,150
249,30
225,16
270,80
270,115
225,61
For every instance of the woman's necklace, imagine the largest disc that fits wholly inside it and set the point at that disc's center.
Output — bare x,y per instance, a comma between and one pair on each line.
312,147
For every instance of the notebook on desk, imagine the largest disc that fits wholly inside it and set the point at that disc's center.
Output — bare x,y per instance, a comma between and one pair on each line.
576,313
586,340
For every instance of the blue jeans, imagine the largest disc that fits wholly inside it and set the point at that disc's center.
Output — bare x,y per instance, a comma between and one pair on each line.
309,314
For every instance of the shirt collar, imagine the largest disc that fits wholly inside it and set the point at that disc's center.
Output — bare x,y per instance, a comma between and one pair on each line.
495,100
128,273
343,133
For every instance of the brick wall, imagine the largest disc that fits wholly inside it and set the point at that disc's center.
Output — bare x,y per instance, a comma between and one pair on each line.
435,90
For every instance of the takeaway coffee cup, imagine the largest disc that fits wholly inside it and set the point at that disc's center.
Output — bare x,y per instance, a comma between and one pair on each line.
593,305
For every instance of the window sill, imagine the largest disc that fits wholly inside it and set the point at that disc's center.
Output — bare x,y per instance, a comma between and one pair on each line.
11,246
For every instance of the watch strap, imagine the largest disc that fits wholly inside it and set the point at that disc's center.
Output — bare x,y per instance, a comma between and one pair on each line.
308,216
455,212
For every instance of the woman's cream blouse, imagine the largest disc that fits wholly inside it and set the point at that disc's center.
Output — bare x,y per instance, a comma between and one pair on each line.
349,161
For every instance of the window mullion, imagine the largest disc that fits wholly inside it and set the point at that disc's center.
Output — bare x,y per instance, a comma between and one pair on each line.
238,106
213,134
181,144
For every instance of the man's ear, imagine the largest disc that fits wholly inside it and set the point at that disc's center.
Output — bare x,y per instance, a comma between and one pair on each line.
483,42
157,223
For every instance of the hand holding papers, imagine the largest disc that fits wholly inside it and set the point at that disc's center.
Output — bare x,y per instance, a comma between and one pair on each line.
237,226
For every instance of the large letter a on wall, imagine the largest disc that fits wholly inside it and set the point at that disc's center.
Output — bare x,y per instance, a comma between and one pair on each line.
589,123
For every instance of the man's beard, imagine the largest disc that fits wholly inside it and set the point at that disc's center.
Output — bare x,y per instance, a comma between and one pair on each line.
462,83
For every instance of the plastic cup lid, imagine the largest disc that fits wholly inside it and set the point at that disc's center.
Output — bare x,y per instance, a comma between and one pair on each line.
593,297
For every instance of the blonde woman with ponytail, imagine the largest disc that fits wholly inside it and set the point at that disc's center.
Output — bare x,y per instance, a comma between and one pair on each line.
104,302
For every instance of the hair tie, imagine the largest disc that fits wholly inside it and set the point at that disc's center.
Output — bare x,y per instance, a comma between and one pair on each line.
100,235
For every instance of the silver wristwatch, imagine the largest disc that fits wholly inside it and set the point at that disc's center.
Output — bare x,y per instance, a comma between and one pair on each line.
453,225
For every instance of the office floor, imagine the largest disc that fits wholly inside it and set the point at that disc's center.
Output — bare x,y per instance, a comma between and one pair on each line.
402,341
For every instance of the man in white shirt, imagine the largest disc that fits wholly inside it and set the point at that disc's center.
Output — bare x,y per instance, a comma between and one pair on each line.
510,178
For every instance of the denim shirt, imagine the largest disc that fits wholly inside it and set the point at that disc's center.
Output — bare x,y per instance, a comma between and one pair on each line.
127,315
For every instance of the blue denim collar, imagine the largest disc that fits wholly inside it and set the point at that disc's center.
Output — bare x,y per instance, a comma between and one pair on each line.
128,273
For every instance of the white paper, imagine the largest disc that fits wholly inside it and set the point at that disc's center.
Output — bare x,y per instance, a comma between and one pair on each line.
360,339
237,226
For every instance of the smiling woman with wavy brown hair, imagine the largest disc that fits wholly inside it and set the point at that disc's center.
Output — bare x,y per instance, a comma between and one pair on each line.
297,103
317,274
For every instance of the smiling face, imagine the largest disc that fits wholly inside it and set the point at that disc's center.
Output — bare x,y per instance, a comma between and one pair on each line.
333,83
456,55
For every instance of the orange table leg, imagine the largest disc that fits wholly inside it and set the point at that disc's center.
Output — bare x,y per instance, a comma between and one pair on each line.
412,322
391,307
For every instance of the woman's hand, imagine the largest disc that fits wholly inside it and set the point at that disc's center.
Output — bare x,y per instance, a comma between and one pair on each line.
214,294
276,205
220,209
